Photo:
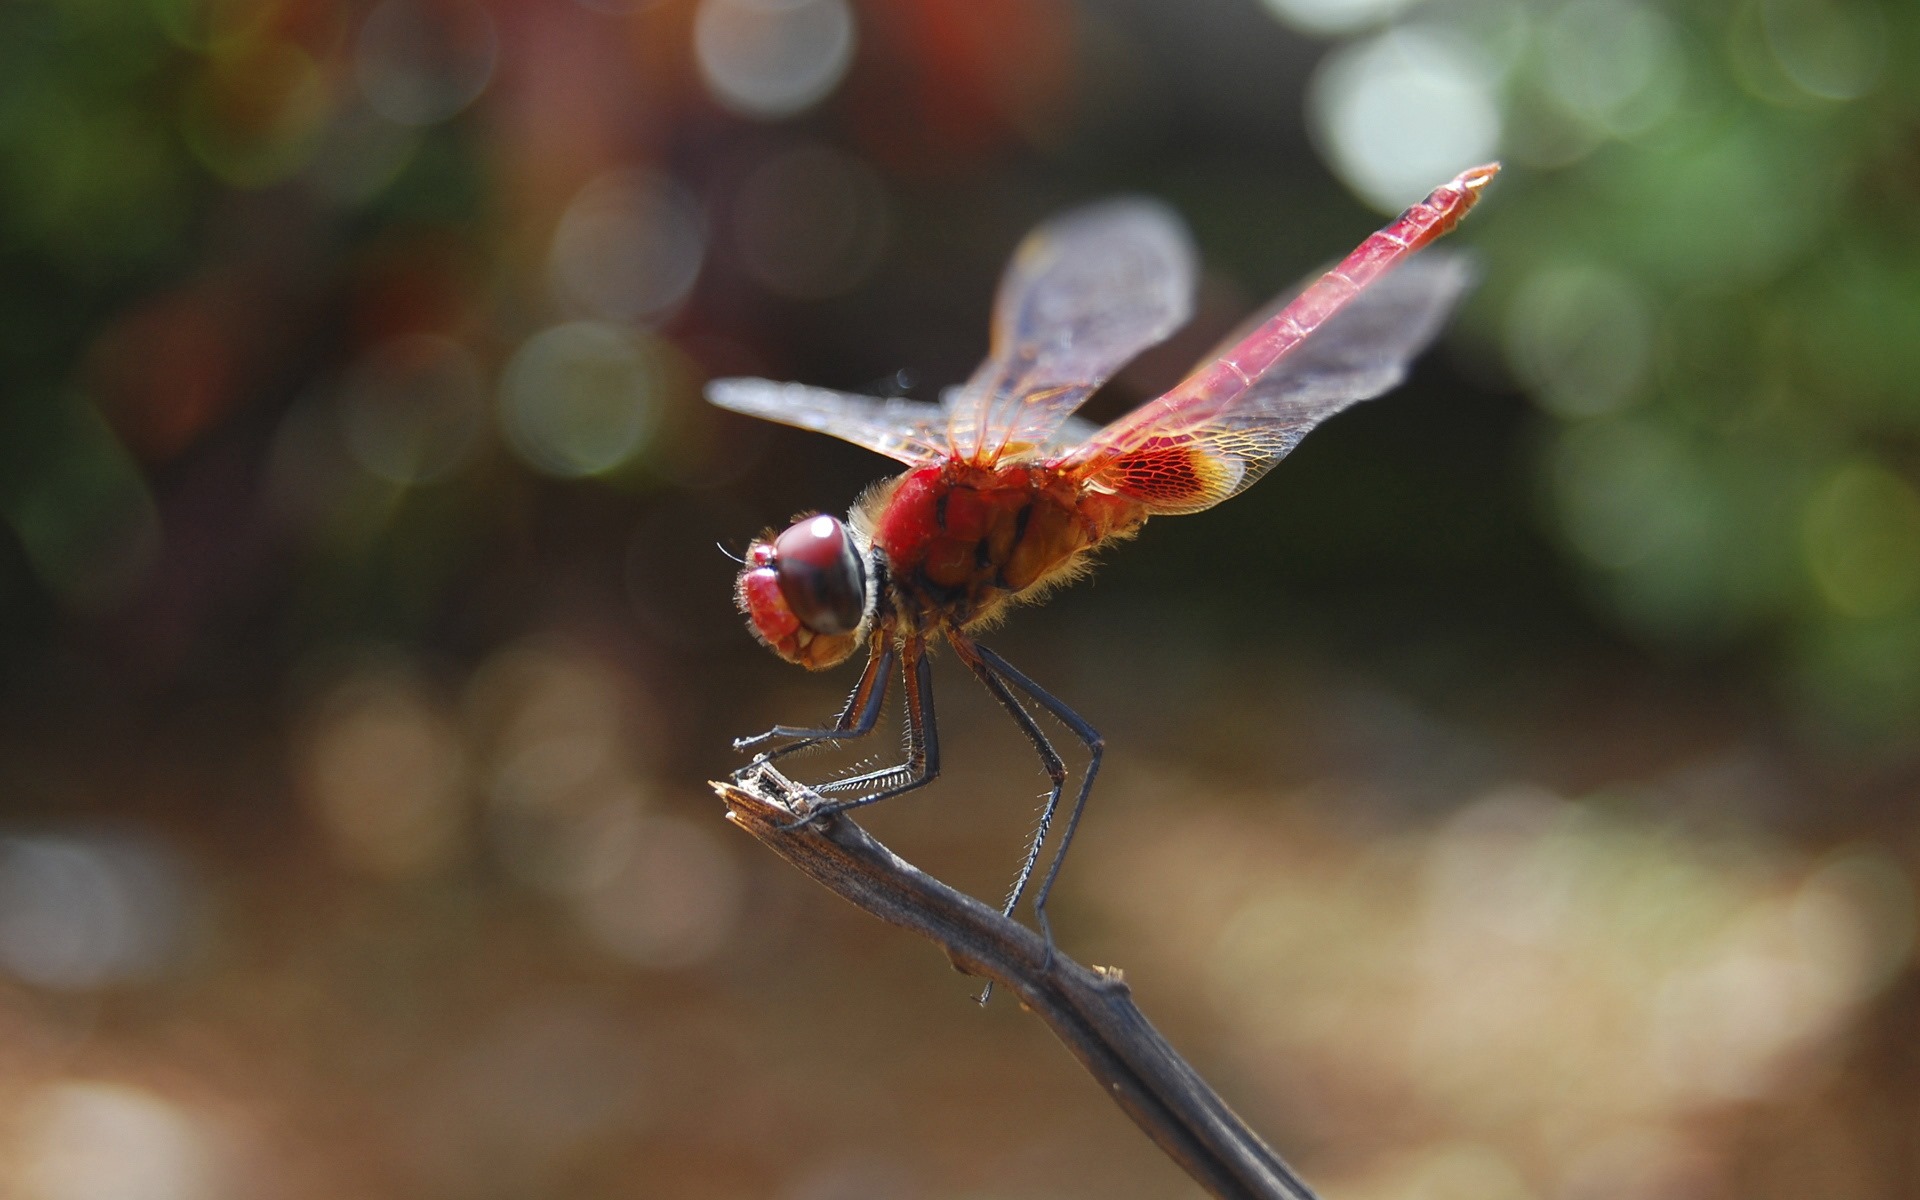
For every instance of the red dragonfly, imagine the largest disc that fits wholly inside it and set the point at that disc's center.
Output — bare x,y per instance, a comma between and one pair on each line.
1007,495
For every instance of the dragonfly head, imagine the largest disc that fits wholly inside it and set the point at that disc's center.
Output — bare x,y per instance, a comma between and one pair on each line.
807,593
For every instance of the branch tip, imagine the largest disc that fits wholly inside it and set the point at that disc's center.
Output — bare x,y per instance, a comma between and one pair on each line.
1090,1010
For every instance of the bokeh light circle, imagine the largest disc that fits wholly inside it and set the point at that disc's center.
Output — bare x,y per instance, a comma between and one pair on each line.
1629,492
1861,533
1833,50
628,247
580,399
257,116
94,1140
773,58
81,911
420,63
360,154
1580,336
382,770
412,408
1613,63
1325,18
1400,112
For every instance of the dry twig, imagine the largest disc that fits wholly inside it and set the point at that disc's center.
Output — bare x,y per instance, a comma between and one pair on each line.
1091,1010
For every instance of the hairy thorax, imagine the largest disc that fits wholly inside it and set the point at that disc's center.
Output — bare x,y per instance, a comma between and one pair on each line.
961,542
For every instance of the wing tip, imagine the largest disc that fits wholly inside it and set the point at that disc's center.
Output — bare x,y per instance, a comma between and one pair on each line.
716,389
742,393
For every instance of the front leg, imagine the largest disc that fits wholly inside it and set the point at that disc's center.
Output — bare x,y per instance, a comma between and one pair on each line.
857,719
923,746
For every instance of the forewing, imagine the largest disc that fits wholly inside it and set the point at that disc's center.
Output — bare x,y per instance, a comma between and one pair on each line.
1186,452
1085,292
1071,432
908,430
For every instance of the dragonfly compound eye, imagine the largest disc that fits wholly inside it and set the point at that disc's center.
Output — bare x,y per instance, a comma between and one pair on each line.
821,575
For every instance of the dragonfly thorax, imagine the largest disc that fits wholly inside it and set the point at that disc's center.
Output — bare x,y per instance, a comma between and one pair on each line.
960,542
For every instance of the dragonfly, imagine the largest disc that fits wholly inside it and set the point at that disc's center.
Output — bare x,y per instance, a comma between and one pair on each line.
1007,495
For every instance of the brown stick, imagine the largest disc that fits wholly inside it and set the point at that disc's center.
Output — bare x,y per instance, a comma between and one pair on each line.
1092,1011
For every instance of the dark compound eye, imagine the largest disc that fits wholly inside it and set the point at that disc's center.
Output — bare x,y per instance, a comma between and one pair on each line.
821,575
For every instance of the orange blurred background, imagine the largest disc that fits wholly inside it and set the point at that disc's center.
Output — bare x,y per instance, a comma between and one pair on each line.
1512,799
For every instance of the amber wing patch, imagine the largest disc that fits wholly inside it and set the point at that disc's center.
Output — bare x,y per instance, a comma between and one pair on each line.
1172,475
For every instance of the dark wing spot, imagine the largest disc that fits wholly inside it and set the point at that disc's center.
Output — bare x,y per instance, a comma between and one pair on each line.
1164,472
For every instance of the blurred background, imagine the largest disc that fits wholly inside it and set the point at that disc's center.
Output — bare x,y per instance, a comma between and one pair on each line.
1511,799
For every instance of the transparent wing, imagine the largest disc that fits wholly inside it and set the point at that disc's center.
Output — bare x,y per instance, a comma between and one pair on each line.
908,430
1085,293
1190,450
1071,432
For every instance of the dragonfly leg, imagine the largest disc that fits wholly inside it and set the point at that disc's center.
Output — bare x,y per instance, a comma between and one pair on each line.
923,745
1049,760
856,719
1007,673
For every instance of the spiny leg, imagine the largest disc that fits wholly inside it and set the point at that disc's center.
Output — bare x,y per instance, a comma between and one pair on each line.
912,682
1049,759
856,719
1096,747
923,743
